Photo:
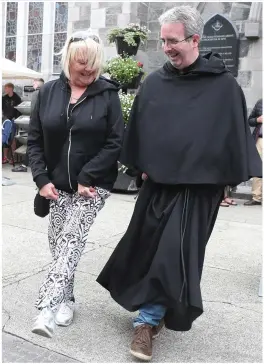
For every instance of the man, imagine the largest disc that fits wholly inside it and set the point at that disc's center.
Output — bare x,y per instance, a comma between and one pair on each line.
255,120
9,101
37,83
188,135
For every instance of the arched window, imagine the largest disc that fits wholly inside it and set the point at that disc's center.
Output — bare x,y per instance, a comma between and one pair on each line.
60,33
34,40
11,31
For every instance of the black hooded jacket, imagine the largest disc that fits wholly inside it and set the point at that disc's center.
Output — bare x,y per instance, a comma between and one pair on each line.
81,146
190,127
8,106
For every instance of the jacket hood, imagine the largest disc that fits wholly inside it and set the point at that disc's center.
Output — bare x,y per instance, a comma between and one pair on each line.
209,63
97,87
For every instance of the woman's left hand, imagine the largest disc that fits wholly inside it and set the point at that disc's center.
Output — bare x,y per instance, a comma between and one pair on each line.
86,191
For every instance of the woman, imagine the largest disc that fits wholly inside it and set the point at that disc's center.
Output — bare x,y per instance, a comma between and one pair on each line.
74,142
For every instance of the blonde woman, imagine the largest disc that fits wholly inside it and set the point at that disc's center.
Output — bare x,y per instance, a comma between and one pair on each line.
74,142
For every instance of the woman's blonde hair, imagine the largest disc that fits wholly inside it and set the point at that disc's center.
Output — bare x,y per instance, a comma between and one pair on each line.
86,46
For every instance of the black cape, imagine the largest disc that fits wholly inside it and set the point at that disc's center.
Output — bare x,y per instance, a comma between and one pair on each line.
191,127
160,257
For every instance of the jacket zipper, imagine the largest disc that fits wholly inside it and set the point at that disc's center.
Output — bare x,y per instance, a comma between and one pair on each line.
69,149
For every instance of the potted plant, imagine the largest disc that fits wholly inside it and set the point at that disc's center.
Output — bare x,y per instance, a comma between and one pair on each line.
126,71
128,39
124,182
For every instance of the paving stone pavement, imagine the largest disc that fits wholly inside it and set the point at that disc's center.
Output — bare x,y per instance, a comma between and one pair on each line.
229,331
17,350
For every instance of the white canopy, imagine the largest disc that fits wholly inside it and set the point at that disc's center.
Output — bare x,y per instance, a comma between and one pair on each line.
16,71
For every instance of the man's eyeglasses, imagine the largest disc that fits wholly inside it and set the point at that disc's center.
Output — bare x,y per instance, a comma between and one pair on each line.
174,41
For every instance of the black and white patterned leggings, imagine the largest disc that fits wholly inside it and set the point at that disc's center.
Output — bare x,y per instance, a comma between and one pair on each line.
71,217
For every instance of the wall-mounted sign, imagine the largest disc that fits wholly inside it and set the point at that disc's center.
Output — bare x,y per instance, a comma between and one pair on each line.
221,36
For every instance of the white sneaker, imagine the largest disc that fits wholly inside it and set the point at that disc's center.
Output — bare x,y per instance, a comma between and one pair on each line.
64,316
44,324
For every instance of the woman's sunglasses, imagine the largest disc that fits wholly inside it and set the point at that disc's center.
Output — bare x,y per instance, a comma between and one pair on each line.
78,39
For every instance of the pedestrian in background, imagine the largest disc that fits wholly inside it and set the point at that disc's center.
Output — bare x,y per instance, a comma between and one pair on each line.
37,83
227,200
255,120
9,101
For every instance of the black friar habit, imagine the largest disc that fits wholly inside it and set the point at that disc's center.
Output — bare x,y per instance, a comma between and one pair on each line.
188,132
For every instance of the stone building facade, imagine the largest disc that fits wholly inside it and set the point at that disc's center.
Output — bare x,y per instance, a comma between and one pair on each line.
60,18
103,16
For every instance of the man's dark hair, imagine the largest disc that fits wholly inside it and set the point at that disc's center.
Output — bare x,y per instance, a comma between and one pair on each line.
11,85
39,79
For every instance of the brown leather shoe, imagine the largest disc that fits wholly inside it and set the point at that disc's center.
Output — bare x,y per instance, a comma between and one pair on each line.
141,346
252,203
156,329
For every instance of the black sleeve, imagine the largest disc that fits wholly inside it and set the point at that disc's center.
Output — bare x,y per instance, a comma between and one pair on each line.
18,100
3,107
129,151
35,148
252,120
99,166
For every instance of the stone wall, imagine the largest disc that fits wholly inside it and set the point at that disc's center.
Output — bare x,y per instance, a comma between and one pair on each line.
102,16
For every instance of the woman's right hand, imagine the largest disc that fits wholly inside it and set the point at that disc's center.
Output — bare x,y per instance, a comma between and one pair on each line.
49,192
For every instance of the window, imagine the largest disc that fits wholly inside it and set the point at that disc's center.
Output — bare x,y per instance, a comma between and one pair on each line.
11,31
60,33
34,41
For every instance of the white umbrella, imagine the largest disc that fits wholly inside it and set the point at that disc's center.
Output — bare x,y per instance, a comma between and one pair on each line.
16,71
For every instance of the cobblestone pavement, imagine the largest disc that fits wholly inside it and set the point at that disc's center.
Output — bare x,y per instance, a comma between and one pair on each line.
16,350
